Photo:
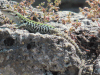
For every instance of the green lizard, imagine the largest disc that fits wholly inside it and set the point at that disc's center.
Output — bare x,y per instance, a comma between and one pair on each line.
33,26
26,23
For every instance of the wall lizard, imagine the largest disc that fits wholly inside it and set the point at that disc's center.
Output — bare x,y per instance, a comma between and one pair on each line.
34,27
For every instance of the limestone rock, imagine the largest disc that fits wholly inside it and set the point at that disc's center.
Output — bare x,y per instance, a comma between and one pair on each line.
31,53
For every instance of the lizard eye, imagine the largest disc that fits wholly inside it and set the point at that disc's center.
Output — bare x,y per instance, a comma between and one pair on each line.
24,21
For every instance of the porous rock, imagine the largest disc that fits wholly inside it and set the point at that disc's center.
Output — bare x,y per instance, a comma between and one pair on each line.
23,53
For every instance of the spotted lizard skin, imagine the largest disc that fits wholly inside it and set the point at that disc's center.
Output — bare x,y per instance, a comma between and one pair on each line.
33,26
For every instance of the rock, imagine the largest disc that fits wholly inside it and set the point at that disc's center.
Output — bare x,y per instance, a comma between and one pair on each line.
29,53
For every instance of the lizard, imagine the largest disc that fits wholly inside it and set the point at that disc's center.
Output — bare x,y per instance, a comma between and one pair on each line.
34,27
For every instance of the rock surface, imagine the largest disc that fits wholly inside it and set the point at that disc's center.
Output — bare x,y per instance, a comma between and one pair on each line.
29,53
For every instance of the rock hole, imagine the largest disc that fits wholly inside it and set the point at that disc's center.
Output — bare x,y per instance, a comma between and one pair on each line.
9,41
54,73
59,40
29,46
40,47
67,63
32,66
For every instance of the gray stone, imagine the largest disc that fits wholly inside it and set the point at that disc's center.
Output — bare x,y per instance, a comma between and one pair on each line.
22,53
